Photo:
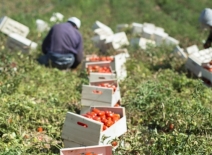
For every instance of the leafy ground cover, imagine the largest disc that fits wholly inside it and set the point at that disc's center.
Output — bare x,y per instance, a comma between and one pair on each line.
168,109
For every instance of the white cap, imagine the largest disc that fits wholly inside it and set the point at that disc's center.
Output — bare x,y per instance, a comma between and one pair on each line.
206,17
76,21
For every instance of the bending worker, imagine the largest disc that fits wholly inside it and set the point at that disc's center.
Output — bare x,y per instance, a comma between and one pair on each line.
63,45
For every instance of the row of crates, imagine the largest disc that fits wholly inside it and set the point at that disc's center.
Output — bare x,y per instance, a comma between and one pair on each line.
17,34
79,139
143,35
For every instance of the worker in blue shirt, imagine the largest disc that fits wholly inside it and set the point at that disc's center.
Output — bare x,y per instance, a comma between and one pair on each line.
63,45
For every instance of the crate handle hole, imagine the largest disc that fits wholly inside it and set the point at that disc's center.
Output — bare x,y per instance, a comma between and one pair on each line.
82,124
97,92
101,77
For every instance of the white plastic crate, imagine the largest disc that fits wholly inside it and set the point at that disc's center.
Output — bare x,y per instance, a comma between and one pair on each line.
137,28
102,76
149,26
204,52
192,49
116,64
101,32
100,150
99,41
18,42
207,74
93,76
197,54
98,24
180,52
41,25
119,61
56,16
159,29
121,27
121,74
75,135
94,95
194,65
148,33
8,26
171,41
117,40
125,51
143,43
159,37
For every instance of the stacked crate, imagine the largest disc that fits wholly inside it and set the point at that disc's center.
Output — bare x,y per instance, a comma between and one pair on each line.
16,33
20,43
147,33
103,93
8,26
198,62
105,39
117,64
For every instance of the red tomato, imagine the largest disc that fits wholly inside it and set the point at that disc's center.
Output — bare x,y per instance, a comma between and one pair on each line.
108,58
97,118
102,84
95,110
104,67
171,126
116,105
114,88
114,143
105,121
109,114
105,127
116,115
109,118
101,113
92,59
93,114
88,116
103,116
109,123
97,58
103,58
39,129
115,119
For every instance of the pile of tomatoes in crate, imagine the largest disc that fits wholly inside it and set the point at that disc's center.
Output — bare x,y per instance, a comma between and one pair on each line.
108,118
108,85
98,69
101,58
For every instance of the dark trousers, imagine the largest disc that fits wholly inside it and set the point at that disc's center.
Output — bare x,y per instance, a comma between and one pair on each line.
60,61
